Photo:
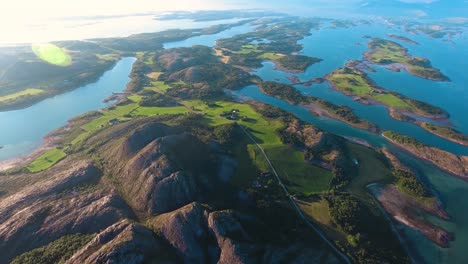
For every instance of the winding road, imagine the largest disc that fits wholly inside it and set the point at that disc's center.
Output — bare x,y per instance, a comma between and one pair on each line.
298,210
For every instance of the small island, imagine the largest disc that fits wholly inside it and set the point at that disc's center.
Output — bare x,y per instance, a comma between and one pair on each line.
278,44
451,163
396,57
354,82
404,39
438,130
316,105
445,132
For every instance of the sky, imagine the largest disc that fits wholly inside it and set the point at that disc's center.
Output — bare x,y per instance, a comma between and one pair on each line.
23,20
30,10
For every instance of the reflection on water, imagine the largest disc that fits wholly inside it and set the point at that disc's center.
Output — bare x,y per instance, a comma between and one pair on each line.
22,130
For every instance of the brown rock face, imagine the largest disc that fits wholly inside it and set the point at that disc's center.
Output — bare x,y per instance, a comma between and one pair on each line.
200,236
164,174
50,209
160,168
124,243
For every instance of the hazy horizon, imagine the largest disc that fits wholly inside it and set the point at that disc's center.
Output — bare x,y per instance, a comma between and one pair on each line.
50,20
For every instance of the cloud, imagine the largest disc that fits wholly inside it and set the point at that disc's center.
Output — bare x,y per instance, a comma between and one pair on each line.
418,1
457,20
418,13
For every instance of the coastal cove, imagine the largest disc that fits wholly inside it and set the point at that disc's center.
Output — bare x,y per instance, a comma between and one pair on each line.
24,129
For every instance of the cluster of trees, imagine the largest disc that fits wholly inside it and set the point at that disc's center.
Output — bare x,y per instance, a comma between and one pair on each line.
57,251
429,73
283,36
346,212
157,99
292,95
297,62
370,236
138,76
273,112
425,107
446,131
410,183
342,111
283,91
244,60
402,139
227,134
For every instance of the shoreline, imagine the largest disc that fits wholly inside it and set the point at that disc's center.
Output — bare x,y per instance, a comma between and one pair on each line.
405,210
367,101
407,68
429,161
33,100
48,143
318,110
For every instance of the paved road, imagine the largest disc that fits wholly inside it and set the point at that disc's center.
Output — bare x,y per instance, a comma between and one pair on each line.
298,210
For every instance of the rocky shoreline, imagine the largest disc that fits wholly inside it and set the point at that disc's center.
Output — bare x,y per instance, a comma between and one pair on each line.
446,161
407,211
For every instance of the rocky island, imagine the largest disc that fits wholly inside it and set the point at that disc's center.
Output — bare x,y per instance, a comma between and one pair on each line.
354,82
396,57
316,105
451,163
404,39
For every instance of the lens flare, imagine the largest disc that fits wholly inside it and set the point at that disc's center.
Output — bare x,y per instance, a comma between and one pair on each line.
52,54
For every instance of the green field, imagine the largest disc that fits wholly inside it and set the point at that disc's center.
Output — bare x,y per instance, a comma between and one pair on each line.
52,54
108,57
247,49
23,93
353,82
319,211
371,169
46,160
270,56
262,129
300,177
387,52
157,86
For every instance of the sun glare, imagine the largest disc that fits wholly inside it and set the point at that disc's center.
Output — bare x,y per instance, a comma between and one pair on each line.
25,21
52,54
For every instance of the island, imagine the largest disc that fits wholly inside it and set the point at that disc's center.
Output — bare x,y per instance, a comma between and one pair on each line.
316,105
442,131
404,39
451,163
396,57
278,44
354,82
446,132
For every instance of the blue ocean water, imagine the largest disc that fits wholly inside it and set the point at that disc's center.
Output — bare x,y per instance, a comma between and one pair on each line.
22,130
336,47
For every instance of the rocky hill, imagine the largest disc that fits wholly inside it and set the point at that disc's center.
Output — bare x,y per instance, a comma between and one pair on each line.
149,193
